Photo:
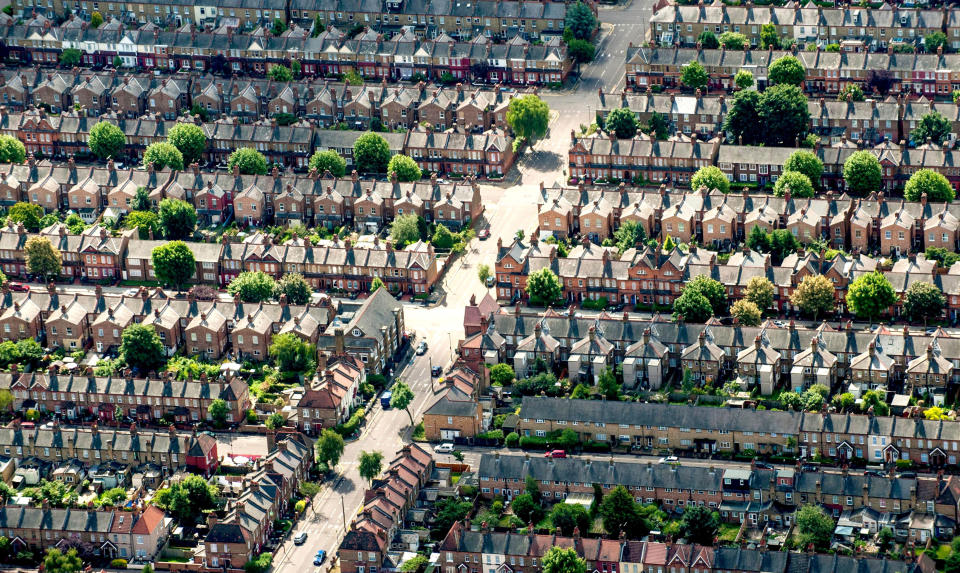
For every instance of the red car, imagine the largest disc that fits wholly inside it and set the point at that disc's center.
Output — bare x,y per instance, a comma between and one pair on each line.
19,287
484,234
555,454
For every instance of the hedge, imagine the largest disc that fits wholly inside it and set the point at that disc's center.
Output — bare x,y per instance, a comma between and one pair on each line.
118,564
350,427
491,435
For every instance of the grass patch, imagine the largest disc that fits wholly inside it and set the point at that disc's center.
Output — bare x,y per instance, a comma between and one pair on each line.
728,532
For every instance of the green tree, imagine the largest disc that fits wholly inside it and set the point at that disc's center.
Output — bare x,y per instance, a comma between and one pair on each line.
12,150
708,40
371,464
843,402
528,116
784,114
501,374
449,511
190,139
581,51
692,306
658,126
563,560
876,400
55,561
401,397
163,154
279,27
786,70
141,200
483,273
607,385
929,182
295,287
619,512
746,312
580,20
852,92
933,126
870,295
799,185
713,290
275,421
96,19
376,284
742,118
107,140
952,564
42,257
543,287
814,527
292,353
760,291
769,38
198,110
699,524
923,301
566,516
280,73
814,295
743,80
144,222
187,499
934,41
218,411
141,347
6,402
177,218
253,286
631,234
733,40
710,177
405,168
526,508
404,230
862,172
330,448
328,160
371,153
936,413
443,238
806,162
623,122
249,161
173,263
694,76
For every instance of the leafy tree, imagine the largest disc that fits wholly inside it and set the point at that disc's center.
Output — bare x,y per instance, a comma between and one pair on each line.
405,168
6,401
163,154
799,185
449,511
743,80
935,185
42,257
401,397
862,172
280,73
813,397
699,524
70,57
253,286
692,306
190,139
279,27
12,149
141,199
528,116
844,402
808,163
923,301
769,38
623,122
371,153
710,177
117,62
694,75
733,40
814,526
526,508
173,263
107,140
746,312
198,110
786,70
371,464
328,160
630,234
275,421
443,238
713,290
177,218
619,512
581,51
935,413
658,125
760,291
483,273
563,560
144,222
933,126
295,287
708,40
934,40
248,160
218,411
292,353
952,564
581,21
376,284
187,499
608,385
784,114
543,287
814,295
852,92
566,516
141,347
404,230
55,561
870,295
874,399
501,374
743,117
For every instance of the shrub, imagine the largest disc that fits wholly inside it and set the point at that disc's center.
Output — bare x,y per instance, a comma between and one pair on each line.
118,564
512,439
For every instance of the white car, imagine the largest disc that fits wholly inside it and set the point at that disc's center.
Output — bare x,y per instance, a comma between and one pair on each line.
444,448
670,460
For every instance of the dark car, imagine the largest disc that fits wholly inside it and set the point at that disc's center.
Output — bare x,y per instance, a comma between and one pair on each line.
907,475
436,371
874,473
809,468
763,465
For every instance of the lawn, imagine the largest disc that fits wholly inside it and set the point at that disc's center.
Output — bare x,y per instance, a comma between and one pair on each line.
728,532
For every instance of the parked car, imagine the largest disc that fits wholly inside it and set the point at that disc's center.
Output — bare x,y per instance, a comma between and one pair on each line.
422,347
555,454
763,465
484,234
444,448
490,281
436,371
670,460
18,287
320,558
300,538
874,473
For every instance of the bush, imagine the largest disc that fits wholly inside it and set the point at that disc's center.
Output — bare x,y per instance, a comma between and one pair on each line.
491,435
350,427
512,439
118,564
